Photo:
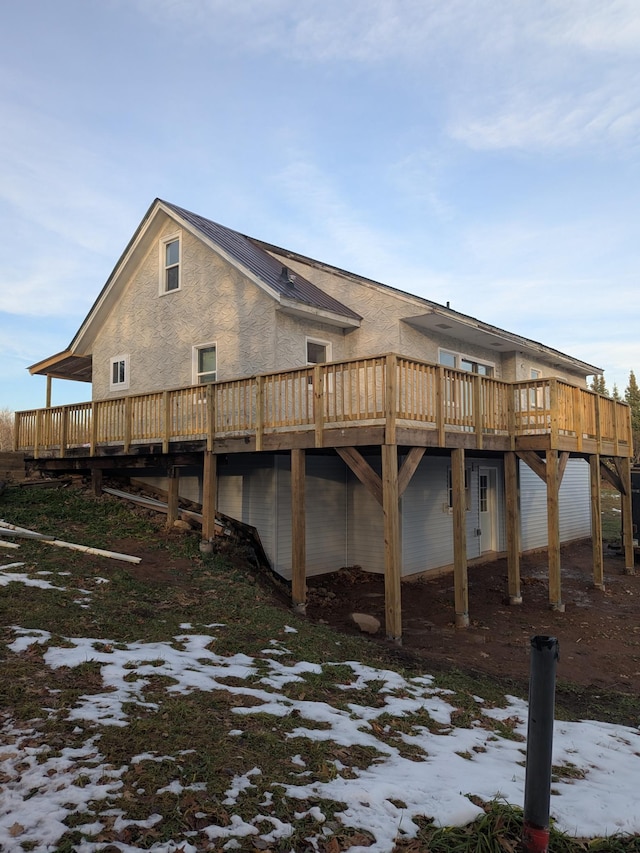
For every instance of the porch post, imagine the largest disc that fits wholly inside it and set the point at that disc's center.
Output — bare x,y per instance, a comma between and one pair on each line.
513,527
298,531
392,548
596,521
459,539
209,494
553,530
48,393
172,495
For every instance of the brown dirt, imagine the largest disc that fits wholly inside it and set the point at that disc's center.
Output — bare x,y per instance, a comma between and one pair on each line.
598,634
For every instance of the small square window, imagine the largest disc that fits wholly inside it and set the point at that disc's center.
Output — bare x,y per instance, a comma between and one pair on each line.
317,352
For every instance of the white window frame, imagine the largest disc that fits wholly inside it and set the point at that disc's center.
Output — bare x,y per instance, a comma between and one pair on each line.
328,386
162,282
320,342
195,373
460,357
123,385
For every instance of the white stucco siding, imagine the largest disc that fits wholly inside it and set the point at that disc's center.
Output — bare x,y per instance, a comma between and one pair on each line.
382,329
574,499
215,304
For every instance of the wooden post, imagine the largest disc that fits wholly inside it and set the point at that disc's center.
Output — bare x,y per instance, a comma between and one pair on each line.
94,429
390,399
209,494
128,418
459,539
96,481
596,522
392,547
259,412
172,495
477,409
511,415
64,431
513,527
298,531
318,404
553,530
440,404
553,407
48,392
624,469
166,428
38,436
598,424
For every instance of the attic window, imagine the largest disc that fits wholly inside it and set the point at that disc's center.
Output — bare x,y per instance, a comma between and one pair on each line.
170,264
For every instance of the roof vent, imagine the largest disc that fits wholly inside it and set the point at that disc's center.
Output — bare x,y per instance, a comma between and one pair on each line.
287,277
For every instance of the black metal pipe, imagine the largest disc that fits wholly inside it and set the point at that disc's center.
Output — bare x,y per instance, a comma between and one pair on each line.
545,653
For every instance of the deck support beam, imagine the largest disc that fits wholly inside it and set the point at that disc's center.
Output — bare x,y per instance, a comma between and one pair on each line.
392,547
209,494
298,530
553,529
460,579
513,527
596,521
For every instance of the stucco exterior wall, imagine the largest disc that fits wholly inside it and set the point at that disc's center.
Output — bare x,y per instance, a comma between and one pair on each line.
215,304
382,328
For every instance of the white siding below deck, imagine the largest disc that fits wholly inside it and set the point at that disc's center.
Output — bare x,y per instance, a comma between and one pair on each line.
575,505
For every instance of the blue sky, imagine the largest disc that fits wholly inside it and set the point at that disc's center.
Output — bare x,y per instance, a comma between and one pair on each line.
483,153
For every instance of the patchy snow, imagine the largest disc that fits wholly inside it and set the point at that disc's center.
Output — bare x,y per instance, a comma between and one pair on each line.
428,767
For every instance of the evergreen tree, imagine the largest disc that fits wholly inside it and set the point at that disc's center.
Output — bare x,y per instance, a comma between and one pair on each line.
598,384
632,397
616,393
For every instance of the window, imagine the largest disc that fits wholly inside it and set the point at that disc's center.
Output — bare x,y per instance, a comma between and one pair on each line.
463,362
204,364
170,264
447,359
535,374
119,373
318,352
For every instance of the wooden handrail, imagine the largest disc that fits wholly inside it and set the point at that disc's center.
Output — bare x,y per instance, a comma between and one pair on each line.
390,390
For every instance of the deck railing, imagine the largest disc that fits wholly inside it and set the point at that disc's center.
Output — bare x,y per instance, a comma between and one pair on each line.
387,389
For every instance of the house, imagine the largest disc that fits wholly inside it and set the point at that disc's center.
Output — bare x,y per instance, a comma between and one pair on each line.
348,421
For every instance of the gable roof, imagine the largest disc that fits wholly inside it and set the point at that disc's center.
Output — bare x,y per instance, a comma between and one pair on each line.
263,264
249,254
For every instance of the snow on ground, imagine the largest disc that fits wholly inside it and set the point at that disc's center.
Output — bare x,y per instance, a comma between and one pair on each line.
38,787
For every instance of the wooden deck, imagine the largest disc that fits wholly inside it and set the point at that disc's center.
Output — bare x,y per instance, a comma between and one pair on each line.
386,399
